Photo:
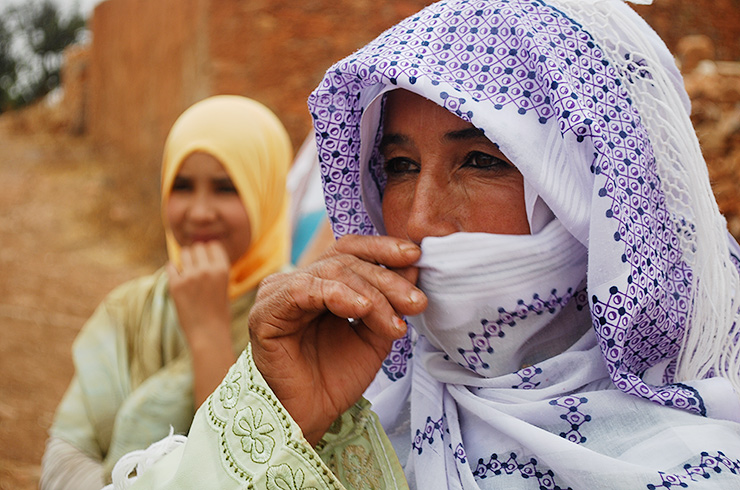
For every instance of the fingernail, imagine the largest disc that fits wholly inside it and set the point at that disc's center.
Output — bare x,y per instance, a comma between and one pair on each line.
363,301
407,247
416,296
399,324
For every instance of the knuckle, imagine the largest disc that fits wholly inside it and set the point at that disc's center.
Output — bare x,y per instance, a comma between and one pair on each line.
316,291
386,279
346,243
269,283
331,267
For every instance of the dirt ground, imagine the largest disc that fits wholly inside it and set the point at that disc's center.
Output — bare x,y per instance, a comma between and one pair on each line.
56,264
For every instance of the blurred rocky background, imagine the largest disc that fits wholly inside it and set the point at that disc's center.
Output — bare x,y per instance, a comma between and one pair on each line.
79,163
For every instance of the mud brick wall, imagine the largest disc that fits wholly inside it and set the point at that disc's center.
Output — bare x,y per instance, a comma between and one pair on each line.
148,61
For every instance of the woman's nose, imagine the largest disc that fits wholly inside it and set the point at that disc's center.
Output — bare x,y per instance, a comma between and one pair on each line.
201,207
432,210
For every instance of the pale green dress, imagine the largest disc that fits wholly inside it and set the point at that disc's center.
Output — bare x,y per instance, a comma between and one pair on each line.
133,376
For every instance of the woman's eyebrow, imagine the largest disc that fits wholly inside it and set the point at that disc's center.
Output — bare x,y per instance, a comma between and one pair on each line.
392,139
465,134
223,181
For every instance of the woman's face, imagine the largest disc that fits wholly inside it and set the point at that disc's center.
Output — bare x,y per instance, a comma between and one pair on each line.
444,175
204,205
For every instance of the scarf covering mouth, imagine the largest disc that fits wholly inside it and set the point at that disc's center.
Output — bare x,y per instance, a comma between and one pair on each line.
501,302
254,148
586,100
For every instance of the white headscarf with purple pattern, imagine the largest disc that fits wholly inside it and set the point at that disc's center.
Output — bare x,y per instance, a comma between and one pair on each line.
586,101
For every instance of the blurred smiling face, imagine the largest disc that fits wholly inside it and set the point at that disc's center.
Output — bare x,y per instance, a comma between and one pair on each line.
204,205
444,176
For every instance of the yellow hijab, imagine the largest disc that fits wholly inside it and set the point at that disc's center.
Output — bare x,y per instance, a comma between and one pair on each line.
253,146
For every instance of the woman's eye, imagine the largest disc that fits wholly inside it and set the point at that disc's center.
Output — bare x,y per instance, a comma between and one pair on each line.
400,165
480,160
182,185
225,187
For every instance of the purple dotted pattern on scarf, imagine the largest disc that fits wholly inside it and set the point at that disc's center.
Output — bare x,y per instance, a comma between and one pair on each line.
394,366
527,378
529,55
708,466
481,341
459,454
498,465
427,434
573,416
669,375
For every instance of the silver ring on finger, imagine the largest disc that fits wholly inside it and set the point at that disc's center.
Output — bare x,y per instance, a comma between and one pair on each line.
353,322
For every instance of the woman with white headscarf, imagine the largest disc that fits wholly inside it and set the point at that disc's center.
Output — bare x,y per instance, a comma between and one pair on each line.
158,345
532,284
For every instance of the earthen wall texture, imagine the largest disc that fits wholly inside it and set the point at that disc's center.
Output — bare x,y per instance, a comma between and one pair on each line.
144,68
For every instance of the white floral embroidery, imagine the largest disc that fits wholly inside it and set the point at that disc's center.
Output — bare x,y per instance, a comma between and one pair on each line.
281,477
229,391
254,435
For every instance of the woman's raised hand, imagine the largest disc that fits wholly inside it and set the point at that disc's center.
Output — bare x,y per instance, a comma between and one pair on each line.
316,361
200,292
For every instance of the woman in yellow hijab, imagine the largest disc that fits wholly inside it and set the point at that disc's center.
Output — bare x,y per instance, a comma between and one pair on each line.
158,345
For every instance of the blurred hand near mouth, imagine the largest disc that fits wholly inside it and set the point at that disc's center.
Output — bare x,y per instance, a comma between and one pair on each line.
199,290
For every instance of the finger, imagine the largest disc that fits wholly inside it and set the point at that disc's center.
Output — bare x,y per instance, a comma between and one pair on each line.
186,259
345,286
200,256
389,251
217,254
371,311
287,302
382,286
384,317
381,343
340,280
306,295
